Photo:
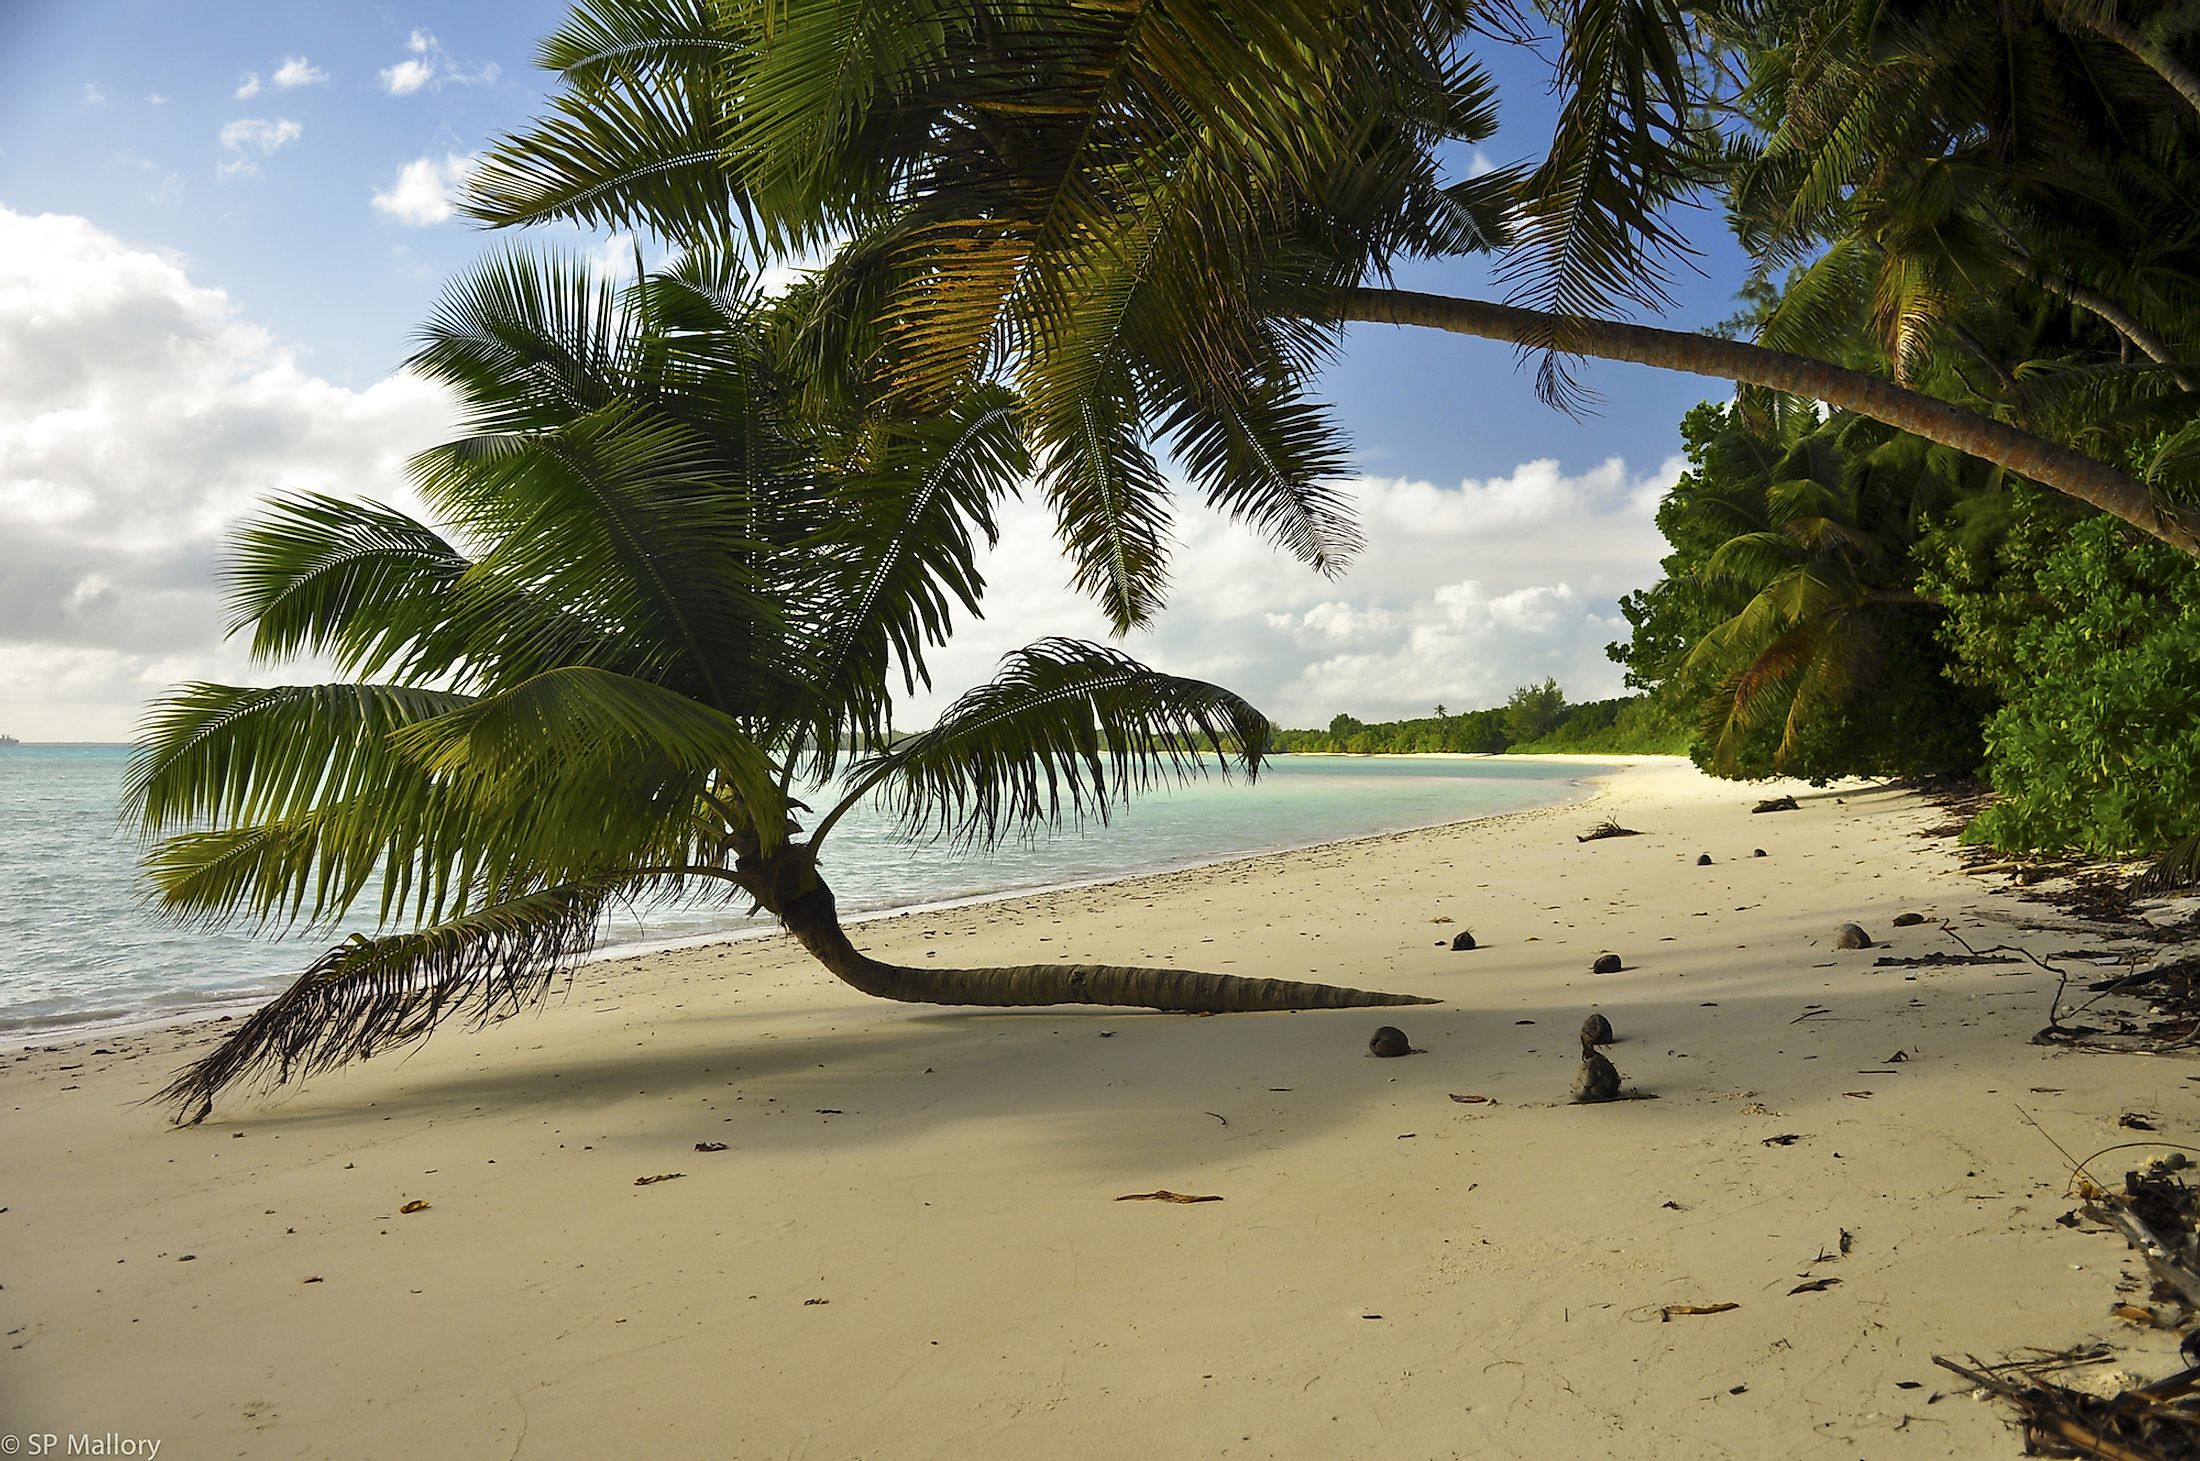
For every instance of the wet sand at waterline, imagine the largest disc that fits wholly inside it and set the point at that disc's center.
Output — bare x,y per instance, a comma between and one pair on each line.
911,1244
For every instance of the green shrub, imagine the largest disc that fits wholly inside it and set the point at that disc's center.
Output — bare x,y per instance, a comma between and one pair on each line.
2098,748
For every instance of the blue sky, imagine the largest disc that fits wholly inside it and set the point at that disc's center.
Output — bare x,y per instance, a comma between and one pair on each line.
258,190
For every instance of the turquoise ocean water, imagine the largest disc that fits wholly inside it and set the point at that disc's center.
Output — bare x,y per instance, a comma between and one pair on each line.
78,944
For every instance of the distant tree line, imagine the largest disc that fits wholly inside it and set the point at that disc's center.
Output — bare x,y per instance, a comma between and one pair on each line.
1535,718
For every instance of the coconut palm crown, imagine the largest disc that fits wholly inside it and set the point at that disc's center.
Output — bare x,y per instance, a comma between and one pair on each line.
668,592
1154,217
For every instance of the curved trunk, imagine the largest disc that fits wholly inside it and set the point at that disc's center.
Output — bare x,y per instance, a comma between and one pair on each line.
2117,318
814,919
2045,462
2161,63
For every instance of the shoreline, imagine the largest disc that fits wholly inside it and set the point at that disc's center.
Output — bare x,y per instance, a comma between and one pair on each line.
928,1198
43,1037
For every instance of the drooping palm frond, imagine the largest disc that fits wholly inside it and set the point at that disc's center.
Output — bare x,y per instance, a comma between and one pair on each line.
1591,230
1066,731
368,995
284,806
897,551
1129,214
344,578
638,137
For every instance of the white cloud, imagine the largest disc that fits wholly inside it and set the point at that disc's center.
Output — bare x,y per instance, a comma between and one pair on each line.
431,65
1462,593
94,94
613,259
139,418
155,99
249,140
425,188
407,77
298,71
249,87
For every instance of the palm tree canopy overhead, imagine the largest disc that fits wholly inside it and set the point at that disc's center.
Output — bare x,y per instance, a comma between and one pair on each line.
1151,219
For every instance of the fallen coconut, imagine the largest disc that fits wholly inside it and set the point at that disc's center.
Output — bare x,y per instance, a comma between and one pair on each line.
1596,1030
1851,937
1908,920
1607,964
1598,1080
1462,941
1703,859
1389,1041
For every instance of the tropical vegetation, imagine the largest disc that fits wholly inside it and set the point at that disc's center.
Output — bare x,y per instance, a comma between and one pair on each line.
1993,204
693,545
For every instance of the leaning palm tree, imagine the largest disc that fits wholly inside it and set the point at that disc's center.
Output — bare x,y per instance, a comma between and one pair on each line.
1154,218
667,593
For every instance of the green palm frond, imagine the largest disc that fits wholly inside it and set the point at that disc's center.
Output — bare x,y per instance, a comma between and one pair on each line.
529,342
898,550
369,995
1066,731
607,40
1111,504
608,756
1591,230
639,138
224,755
356,581
1271,458
283,805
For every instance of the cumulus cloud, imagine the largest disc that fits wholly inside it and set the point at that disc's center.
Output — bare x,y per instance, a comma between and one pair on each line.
140,417
251,140
426,188
247,88
298,71
155,99
430,65
1464,591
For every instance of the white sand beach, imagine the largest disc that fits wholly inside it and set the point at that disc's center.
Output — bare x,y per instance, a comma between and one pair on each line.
911,1244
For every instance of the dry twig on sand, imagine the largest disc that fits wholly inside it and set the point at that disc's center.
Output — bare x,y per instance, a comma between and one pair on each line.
1604,829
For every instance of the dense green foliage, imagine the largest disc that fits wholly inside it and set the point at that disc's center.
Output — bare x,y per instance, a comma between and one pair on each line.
1627,725
1995,204
2092,636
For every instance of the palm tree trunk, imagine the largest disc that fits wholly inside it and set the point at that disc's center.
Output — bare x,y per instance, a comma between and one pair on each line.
814,919
2117,318
2045,462
2102,21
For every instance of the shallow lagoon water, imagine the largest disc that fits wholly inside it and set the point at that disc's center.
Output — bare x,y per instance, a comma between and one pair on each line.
79,945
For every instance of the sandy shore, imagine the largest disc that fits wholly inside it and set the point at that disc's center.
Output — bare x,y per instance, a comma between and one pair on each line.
910,1245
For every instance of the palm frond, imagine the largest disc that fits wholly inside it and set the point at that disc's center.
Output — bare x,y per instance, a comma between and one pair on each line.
368,995
598,753
1064,732
1590,231
349,579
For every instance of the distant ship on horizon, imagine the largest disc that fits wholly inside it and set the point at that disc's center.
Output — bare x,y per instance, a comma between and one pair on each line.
7,741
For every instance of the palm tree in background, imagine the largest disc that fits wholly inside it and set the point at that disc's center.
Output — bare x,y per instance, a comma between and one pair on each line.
668,594
1153,219
1820,519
